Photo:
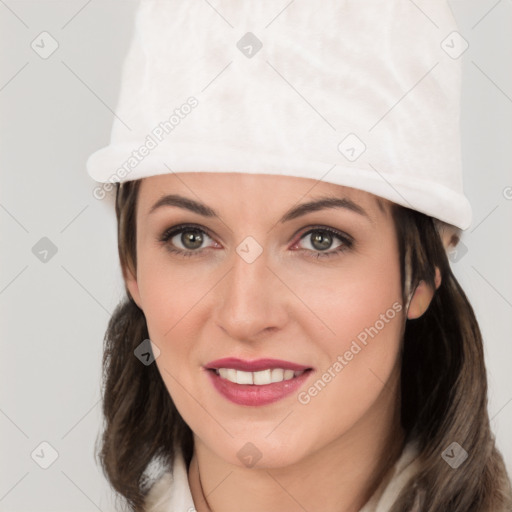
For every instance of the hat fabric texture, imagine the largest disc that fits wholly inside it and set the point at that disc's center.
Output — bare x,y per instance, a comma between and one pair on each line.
360,94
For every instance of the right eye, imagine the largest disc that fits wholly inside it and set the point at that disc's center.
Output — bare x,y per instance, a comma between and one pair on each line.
185,240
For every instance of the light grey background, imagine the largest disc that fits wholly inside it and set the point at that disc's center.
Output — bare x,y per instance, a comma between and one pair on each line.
54,113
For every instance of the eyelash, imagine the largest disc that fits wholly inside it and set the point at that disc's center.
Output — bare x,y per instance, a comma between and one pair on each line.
347,241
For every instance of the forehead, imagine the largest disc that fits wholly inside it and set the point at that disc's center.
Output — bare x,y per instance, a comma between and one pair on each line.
240,191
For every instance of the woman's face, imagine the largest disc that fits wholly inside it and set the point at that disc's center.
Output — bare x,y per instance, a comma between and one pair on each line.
319,290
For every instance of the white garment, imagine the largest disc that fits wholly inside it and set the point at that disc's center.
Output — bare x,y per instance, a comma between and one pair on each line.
170,494
360,94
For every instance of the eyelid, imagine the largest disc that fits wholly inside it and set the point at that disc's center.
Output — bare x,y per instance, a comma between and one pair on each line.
347,242
303,231
321,227
178,228
346,239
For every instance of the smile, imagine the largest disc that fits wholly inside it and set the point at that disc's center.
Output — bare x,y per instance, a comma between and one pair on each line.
256,383
260,378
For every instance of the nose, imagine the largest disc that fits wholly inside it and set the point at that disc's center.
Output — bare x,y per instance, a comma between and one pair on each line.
251,300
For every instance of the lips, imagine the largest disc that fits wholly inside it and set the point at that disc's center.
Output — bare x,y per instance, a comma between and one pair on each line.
254,366
258,382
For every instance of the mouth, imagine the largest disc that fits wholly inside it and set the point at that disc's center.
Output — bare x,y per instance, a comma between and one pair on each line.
260,378
258,382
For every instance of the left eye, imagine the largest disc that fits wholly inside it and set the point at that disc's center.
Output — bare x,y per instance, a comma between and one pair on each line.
322,239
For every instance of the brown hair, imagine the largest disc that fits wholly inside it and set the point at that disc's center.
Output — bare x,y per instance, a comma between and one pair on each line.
443,385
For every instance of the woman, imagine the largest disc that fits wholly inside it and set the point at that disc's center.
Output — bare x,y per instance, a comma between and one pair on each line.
293,334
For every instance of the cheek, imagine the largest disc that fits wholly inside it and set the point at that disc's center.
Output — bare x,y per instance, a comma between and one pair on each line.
175,310
168,294
171,305
358,388
364,314
349,299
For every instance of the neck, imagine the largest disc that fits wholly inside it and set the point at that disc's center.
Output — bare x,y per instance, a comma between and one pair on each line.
342,475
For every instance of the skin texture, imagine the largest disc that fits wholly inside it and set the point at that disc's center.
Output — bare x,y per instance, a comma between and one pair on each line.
286,304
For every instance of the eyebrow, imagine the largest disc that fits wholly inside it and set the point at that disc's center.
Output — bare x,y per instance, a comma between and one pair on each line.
293,213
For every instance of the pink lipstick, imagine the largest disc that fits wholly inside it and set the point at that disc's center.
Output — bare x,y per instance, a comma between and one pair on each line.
258,382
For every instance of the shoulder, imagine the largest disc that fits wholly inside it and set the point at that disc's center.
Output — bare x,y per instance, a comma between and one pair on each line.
171,491
401,473
159,496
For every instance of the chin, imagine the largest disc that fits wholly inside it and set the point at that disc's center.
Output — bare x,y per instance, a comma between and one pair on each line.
261,453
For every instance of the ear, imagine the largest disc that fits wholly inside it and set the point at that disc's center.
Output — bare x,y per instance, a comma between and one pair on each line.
450,235
132,286
422,297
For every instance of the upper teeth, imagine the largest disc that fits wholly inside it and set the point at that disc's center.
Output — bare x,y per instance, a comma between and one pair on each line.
258,378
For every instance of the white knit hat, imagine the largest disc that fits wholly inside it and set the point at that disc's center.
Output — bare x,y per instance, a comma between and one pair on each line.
357,93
